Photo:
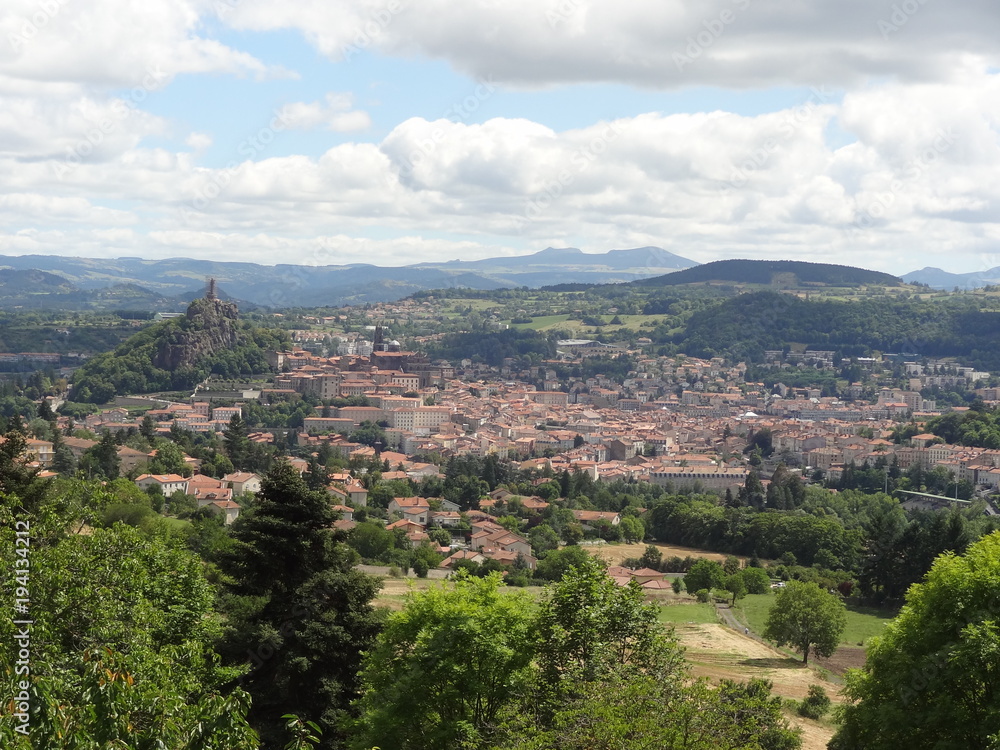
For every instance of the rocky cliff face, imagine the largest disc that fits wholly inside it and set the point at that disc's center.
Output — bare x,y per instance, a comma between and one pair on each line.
209,326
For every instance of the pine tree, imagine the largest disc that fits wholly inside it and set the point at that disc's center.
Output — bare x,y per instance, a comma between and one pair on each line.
298,611
63,461
237,441
18,480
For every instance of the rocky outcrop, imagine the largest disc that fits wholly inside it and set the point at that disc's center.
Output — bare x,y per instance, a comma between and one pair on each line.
210,325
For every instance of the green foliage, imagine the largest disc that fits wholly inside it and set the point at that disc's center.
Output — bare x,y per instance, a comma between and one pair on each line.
557,562
542,539
743,327
130,367
705,574
444,667
297,607
807,618
736,585
816,704
930,681
493,347
756,580
121,634
632,529
976,427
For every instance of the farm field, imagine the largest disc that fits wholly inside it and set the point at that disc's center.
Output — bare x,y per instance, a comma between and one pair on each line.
613,554
713,650
717,652
862,623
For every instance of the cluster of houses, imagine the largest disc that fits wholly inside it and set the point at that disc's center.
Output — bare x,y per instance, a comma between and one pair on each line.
215,494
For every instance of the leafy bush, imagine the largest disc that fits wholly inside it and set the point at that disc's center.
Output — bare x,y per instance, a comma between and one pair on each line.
816,704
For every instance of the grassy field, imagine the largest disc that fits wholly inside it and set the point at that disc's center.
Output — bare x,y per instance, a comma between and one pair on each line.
687,613
542,321
862,623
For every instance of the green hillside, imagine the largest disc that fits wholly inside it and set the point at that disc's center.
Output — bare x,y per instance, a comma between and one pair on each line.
177,354
744,327
789,273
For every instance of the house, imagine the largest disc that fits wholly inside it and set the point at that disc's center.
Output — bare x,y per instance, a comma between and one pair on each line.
588,518
210,495
78,446
357,494
243,481
168,483
227,508
131,460
39,450
414,509
445,518
644,575
502,539
407,526
462,554
346,513
344,525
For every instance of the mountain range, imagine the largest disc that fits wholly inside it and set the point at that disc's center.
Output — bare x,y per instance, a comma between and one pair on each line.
938,279
170,283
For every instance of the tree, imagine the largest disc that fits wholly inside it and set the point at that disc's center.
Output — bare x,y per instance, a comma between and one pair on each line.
651,557
736,586
588,626
122,632
445,666
147,428
756,580
63,461
543,539
169,459
102,460
632,529
237,441
931,679
369,433
704,574
296,607
807,618
557,562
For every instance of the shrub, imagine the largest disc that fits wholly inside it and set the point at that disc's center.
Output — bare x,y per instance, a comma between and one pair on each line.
816,704
704,596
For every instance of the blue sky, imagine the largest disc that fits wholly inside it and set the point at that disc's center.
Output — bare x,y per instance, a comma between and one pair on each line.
836,130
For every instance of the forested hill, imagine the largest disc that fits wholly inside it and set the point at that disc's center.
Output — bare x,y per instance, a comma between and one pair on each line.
177,354
745,326
783,272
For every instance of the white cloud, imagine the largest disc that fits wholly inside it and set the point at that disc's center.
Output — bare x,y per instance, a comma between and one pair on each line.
704,185
913,170
334,114
654,43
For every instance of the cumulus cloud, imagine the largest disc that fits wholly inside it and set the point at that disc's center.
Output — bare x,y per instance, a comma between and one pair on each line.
335,113
705,185
114,43
913,170
654,43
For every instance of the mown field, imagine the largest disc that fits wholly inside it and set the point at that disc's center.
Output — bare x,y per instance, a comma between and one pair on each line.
862,623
